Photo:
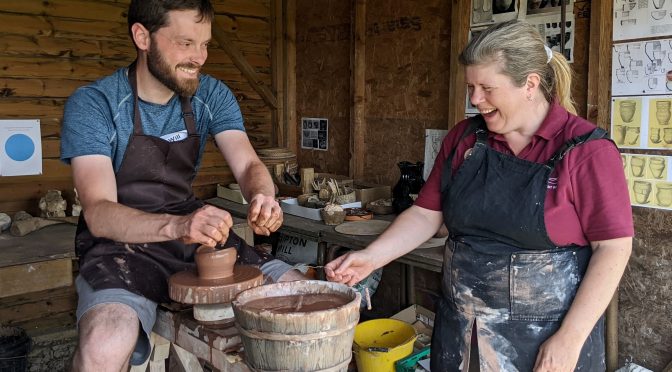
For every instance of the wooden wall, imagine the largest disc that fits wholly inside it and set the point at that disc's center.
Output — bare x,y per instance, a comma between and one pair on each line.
323,78
49,48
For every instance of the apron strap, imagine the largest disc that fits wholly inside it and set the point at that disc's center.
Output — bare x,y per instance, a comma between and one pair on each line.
597,133
476,125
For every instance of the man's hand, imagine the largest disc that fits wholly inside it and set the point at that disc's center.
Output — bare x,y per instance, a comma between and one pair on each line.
207,225
264,214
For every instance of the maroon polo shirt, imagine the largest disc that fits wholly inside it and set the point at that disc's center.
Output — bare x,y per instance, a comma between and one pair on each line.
587,196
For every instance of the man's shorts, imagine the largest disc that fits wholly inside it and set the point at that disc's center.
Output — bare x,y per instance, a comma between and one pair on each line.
144,308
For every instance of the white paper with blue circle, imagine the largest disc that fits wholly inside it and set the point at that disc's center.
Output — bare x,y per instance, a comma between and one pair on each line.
20,148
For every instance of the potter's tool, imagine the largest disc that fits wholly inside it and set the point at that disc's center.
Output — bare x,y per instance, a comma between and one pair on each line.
368,298
215,284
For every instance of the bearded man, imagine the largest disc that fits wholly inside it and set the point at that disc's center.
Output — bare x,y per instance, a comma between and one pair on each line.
135,140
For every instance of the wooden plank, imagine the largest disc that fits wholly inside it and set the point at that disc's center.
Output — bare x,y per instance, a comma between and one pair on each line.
52,170
36,305
38,88
50,68
598,108
240,62
250,8
290,76
32,46
32,190
459,37
36,276
54,242
83,9
278,72
31,108
358,120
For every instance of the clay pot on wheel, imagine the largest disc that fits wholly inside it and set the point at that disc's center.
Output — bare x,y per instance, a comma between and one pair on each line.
214,263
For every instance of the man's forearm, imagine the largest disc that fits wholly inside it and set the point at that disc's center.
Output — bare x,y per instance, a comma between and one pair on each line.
256,180
120,223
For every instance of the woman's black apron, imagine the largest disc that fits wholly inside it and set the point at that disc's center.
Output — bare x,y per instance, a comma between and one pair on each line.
155,177
502,276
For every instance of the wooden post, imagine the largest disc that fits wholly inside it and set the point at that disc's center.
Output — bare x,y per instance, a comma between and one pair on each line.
611,334
278,123
599,63
459,31
241,63
358,86
290,75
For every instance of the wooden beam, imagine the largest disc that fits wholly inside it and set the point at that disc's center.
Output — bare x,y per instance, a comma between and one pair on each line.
598,108
239,60
37,276
459,24
358,87
278,135
290,75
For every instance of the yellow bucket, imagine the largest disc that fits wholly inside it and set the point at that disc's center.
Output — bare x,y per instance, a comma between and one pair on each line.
379,343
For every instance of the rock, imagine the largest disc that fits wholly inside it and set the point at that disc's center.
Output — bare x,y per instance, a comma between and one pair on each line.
5,221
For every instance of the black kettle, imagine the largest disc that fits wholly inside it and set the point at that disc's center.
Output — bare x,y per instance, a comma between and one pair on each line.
410,182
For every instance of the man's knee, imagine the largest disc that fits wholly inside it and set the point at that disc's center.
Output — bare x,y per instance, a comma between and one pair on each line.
107,337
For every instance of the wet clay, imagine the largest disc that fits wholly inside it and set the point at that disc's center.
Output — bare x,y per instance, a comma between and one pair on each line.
214,263
304,303
188,287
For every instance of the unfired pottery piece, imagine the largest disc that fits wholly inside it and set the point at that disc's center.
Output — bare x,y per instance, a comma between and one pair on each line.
214,263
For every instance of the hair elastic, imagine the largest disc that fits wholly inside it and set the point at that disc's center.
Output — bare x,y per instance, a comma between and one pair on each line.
549,53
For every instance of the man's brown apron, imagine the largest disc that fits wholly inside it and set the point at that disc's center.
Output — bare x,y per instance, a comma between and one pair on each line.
155,176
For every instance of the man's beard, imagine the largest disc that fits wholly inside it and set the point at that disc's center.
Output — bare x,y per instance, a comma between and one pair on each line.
158,67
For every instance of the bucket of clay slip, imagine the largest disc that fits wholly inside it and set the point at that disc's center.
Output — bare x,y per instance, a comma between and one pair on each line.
305,325
381,342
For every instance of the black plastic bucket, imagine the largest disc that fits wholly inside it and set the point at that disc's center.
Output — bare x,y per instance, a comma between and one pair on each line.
14,348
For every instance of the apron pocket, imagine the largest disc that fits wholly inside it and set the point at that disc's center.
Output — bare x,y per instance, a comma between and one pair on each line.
543,285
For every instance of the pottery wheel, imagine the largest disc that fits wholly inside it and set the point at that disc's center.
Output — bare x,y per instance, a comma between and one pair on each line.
187,287
368,227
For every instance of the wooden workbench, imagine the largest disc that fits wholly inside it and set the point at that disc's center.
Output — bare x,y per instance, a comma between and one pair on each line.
39,261
328,239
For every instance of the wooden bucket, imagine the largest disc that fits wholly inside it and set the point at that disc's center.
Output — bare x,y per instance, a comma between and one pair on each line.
297,341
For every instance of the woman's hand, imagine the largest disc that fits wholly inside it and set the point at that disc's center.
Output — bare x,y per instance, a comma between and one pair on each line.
350,268
559,353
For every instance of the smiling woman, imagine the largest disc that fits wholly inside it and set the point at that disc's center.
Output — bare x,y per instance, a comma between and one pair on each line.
538,211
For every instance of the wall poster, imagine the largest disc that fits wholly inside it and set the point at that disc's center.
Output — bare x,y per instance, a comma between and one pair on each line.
649,180
642,67
315,133
635,19
642,122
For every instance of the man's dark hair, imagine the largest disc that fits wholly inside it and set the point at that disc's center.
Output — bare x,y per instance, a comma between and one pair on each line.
153,14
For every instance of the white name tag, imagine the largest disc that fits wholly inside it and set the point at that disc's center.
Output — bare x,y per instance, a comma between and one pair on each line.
175,137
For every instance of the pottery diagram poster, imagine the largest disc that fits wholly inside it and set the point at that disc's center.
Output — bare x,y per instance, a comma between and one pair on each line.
635,19
550,28
642,67
649,180
488,12
642,122
315,133
20,148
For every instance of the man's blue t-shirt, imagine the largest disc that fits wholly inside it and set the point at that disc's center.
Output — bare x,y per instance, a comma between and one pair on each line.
98,118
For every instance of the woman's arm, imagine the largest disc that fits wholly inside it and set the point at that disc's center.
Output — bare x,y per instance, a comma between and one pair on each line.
410,229
605,269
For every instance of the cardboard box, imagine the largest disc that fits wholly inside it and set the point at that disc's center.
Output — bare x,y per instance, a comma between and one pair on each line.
230,194
368,192
422,320
292,206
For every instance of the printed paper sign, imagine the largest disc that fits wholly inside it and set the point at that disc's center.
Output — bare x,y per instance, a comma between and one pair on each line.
20,148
